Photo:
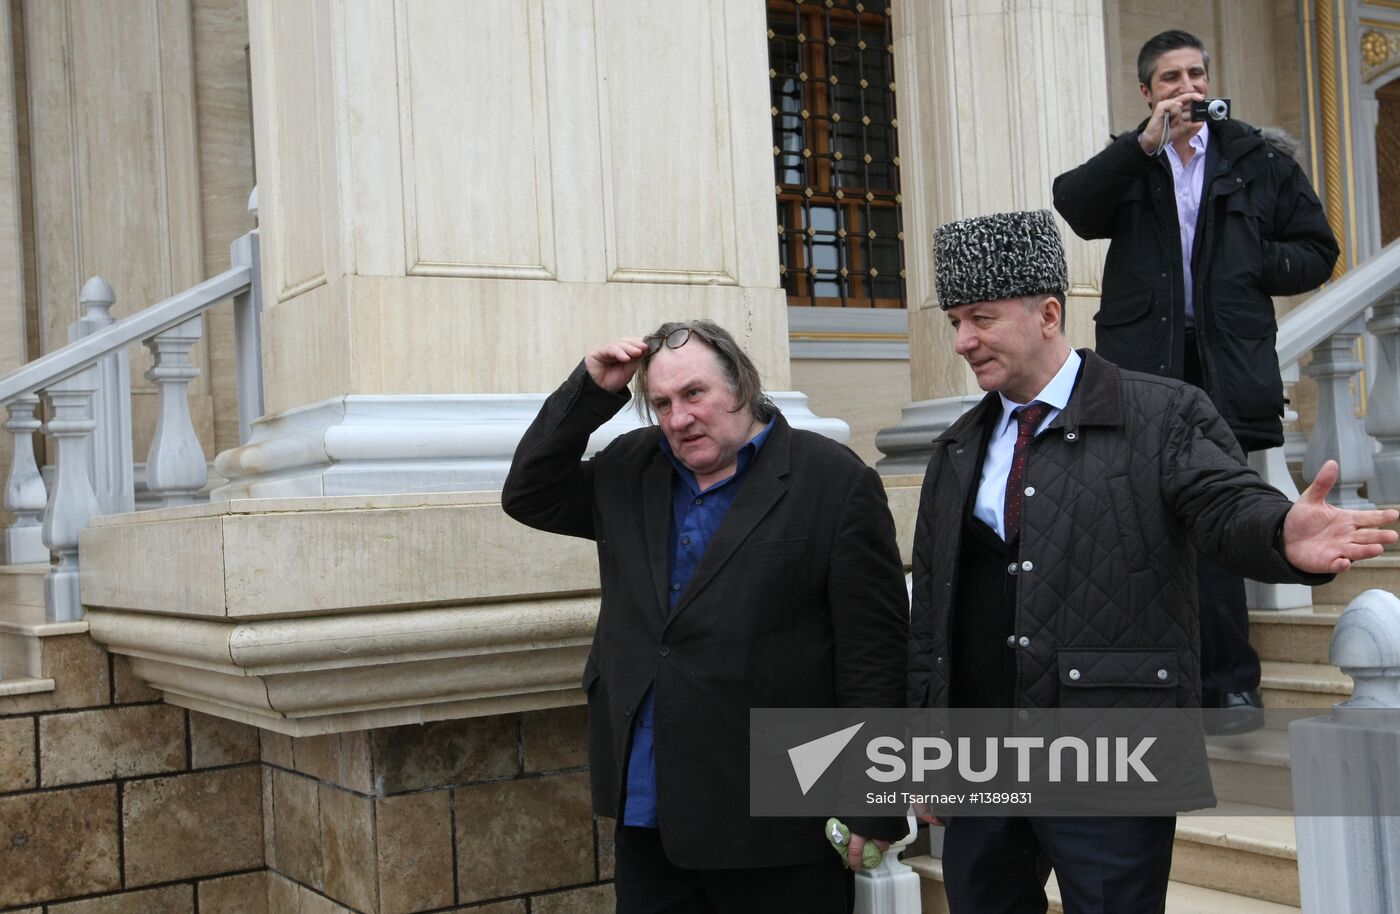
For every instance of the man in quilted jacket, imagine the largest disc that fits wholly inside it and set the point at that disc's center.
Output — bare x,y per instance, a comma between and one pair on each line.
1055,553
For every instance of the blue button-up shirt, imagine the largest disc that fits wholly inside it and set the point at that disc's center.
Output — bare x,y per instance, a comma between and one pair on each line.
695,517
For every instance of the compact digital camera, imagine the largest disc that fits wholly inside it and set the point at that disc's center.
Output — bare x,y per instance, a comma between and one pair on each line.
1212,109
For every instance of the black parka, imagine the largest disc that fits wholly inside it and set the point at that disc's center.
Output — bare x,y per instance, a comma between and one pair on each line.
1261,232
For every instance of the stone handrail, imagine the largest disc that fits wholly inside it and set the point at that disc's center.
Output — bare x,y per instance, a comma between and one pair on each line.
86,387
1338,305
1344,774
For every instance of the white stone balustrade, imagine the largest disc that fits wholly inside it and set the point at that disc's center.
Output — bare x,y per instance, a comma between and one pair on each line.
110,443
72,503
247,327
1383,407
175,469
1344,766
1339,433
25,495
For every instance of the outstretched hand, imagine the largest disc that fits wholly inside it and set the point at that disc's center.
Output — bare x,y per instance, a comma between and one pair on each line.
1324,539
612,365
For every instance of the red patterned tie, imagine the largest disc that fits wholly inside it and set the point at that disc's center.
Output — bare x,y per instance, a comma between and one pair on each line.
1028,418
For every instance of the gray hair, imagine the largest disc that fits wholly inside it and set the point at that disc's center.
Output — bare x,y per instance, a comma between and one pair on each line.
1157,45
1032,302
739,370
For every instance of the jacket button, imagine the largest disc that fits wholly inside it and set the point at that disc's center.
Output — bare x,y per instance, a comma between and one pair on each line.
940,662
1011,641
958,451
1023,715
1071,436
1162,675
1028,565
1030,490
1024,642
1239,180
1074,674
1164,275
664,651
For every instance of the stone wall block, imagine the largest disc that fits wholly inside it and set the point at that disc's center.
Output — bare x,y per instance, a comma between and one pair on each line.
58,844
127,688
282,894
316,756
347,847
203,823
114,742
172,899
276,748
595,899
414,852
446,753
554,739
17,770
296,827
215,741
505,829
244,894
78,666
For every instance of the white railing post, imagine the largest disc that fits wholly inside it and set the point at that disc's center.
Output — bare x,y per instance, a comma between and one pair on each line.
247,327
1339,434
175,469
1383,406
892,887
113,476
25,495
1344,767
72,503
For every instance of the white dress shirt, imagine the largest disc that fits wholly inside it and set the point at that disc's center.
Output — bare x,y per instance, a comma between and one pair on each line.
991,491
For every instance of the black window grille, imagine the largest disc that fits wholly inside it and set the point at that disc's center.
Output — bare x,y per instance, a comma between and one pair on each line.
835,153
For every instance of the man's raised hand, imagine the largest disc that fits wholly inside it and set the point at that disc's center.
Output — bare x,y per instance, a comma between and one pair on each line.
612,365
1324,539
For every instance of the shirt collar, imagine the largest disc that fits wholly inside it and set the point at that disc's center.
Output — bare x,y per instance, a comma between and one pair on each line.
741,463
1056,393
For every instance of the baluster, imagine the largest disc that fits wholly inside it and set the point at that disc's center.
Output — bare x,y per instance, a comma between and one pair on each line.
25,495
1339,434
72,503
1383,407
113,476
175,469
247,327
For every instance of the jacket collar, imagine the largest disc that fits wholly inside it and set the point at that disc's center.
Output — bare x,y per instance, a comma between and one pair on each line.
1097,400
763,486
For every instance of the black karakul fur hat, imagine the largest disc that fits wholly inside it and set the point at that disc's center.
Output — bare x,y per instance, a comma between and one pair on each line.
1004,255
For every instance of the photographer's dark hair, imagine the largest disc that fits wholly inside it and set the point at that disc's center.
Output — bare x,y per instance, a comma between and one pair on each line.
739,369
1157,45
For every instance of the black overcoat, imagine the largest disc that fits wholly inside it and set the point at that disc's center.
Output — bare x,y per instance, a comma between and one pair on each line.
798,601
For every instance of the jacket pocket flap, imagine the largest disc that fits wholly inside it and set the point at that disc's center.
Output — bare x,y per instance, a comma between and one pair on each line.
778,547
1124,312
1104,669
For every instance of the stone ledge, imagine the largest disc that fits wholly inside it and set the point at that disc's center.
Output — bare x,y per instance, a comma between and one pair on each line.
324,615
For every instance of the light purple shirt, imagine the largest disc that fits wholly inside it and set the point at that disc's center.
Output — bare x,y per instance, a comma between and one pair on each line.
1188,180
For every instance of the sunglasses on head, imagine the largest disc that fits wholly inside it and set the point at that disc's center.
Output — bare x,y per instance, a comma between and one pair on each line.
673,340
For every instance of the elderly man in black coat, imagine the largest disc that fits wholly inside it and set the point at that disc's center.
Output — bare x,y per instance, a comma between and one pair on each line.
1054,554
744,564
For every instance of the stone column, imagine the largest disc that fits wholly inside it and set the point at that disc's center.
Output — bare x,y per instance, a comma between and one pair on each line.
995,100
458,200
12,324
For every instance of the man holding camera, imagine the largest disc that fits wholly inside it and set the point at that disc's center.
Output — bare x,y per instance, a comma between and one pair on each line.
1208,217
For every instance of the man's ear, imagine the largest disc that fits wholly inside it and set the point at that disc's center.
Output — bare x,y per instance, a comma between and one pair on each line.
1146,91
1051,315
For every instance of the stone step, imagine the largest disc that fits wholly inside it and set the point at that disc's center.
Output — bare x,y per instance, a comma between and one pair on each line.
1291,685
22,652
1239,848
1252,768
1182,898
1382,572
22,585
1294,635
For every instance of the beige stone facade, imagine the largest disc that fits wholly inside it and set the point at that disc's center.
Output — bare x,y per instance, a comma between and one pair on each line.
370,704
